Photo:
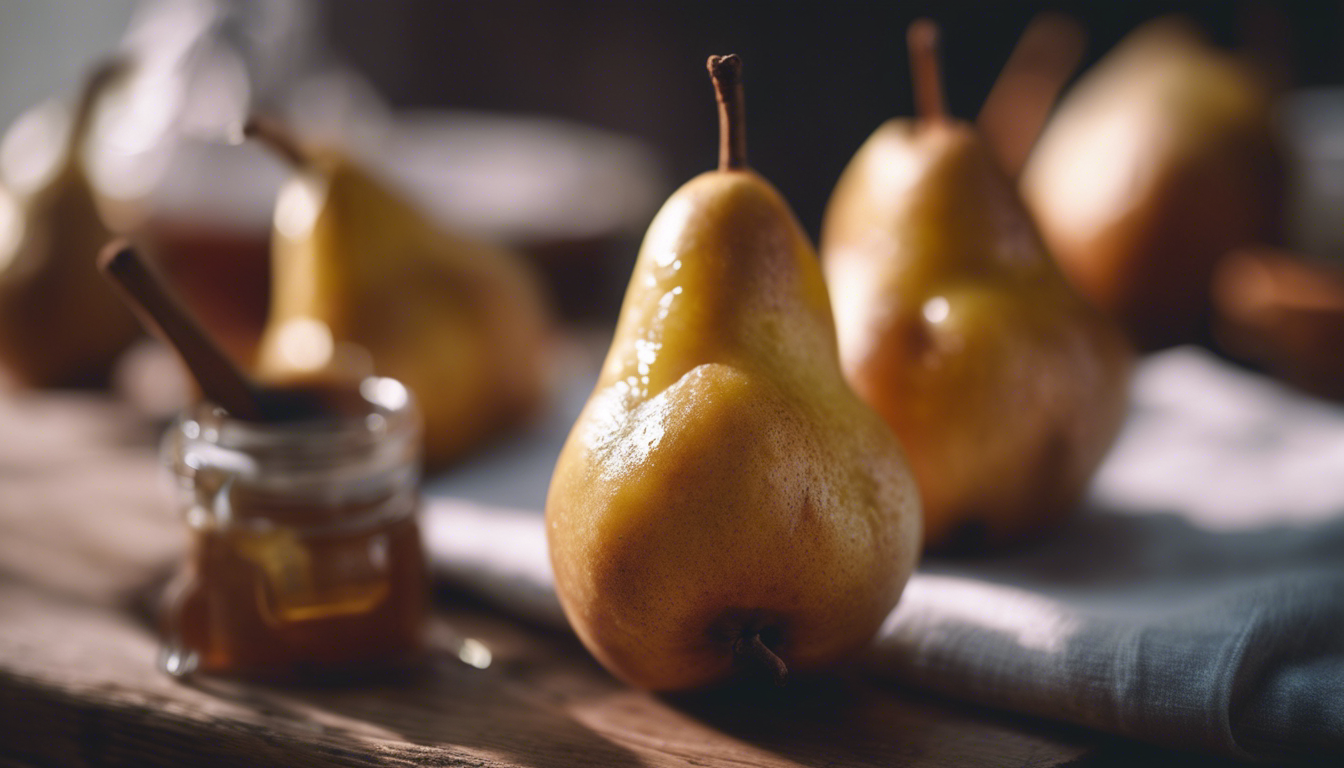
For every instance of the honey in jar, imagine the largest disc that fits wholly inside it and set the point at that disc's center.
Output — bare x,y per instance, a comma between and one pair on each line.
306,555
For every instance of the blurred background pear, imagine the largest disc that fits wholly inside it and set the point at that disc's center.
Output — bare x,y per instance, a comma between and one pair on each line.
1005,387
1159,161
60,324
364,283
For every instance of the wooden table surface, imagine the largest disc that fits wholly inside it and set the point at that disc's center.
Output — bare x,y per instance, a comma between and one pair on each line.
86,537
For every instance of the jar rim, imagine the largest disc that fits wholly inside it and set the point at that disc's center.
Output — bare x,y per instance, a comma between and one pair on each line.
361,403
370,449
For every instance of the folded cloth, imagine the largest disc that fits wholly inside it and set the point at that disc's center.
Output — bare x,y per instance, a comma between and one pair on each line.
1197,602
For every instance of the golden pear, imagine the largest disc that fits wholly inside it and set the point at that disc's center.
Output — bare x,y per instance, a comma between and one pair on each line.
1005,387
725,502
60,323
363,283
1157,163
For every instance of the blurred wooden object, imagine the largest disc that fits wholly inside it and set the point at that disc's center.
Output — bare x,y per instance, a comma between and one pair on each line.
85,538
1285,312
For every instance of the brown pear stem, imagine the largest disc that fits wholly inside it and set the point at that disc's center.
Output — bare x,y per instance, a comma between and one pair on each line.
220,380
278,137
922,41
752,649
103,74
726,72
1018,105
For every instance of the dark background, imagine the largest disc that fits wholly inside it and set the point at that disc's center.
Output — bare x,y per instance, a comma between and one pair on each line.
820,76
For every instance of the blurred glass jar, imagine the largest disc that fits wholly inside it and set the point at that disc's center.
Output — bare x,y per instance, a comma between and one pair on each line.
161,152
306,556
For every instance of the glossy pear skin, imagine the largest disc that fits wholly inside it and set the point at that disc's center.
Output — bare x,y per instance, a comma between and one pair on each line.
1005,387
1159,161
60,322
385,290
723,479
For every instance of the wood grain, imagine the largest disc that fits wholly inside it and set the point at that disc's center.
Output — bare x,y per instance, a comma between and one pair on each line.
85,537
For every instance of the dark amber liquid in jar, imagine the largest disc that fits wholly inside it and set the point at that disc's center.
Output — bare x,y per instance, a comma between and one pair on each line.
305,560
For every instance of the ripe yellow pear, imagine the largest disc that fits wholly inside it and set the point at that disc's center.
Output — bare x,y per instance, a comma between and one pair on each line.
1159,161
725,502
363,283
60,323
1005,387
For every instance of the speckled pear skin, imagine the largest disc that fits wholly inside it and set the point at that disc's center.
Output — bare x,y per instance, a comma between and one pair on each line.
460,322
723,479
1005,387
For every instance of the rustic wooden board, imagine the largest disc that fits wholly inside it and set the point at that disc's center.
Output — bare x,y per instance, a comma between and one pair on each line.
86,537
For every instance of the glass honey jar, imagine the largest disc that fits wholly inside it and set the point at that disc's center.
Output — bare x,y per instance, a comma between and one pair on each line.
306,556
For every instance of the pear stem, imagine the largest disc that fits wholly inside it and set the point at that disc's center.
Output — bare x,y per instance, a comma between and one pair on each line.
922,41
1019,103
103,74
751,648
278,137
220,380
726,72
